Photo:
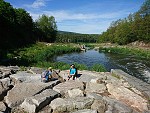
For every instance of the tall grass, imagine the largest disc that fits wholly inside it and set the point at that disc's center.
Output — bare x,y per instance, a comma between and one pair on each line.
127,51
40,55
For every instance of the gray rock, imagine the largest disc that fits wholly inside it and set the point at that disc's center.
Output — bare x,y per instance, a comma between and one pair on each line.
6,71
141,86
35,103
70,104
2,107
75,93
4,86
128,97
85,111
99,105
115,106
94,96
24,90
86,77
63,88
94,87
23,76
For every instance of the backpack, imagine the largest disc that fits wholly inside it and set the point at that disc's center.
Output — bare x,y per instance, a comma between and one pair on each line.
45,76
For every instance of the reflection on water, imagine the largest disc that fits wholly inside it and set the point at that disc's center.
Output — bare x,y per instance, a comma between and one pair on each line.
137,67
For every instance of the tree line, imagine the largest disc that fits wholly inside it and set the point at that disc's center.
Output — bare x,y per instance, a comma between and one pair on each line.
76,38
17,28
136,27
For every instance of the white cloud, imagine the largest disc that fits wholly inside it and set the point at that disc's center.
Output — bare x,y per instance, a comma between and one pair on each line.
82,22
64,15
37,4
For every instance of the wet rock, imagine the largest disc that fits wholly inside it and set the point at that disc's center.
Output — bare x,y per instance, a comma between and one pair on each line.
35,103
70,104
24,90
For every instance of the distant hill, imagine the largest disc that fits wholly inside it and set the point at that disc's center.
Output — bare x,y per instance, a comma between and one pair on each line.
67,32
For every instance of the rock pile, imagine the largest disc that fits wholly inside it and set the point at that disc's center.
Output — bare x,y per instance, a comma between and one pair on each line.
91,92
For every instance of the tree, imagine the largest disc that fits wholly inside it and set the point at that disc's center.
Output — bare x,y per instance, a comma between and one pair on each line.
48,27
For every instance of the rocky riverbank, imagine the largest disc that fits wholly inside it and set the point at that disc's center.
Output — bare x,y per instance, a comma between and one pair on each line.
91,92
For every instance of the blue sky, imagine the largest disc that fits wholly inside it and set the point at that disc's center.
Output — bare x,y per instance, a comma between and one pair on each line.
81,16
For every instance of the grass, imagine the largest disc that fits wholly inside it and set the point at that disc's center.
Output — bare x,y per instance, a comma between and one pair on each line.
127,51
41,55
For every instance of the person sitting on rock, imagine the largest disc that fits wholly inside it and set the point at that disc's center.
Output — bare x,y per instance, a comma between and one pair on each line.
46,75
72,72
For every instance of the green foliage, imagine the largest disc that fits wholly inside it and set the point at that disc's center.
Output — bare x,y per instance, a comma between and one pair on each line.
136,27
128,51
16,27
48,28
76,37
98,68
40,53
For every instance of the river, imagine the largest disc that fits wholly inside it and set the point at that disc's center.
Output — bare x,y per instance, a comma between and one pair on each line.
138,67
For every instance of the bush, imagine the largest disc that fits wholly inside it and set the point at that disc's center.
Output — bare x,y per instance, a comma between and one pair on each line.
98,68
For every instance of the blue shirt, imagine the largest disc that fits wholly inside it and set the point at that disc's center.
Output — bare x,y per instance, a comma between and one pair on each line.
72,71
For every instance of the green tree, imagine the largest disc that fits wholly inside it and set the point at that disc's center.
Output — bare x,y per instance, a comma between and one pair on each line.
48,28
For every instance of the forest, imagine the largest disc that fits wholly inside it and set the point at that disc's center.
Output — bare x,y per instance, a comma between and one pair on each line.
17,29
135,27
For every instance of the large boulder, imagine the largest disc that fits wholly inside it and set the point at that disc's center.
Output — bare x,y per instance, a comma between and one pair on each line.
6,71
23,76
2,107
24,90
99,105
4,86
64,87
116,106
94,87
127,96
85,111
70,104
35,103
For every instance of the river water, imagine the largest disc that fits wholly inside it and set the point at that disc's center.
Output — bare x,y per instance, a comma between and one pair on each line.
138,67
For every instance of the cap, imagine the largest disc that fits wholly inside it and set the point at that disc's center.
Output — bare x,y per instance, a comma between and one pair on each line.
50,68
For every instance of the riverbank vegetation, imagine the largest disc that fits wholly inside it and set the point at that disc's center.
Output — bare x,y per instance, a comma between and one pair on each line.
142,53
136,27
42,55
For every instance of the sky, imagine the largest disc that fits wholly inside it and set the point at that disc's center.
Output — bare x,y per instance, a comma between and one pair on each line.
80,16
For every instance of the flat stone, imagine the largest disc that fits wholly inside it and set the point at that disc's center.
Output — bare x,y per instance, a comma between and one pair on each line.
4,86
2,107
99,105
85,111
63,88
128,97
70,104
37,102
75,93
24,90
94,96
23,76
94,87
115,106
141,86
